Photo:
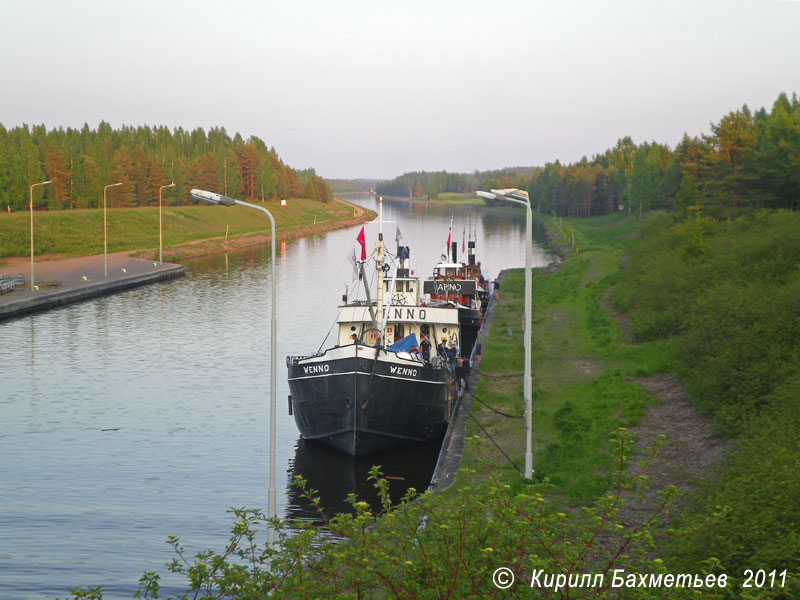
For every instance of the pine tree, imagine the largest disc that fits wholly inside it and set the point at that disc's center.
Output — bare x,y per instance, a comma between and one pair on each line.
57,170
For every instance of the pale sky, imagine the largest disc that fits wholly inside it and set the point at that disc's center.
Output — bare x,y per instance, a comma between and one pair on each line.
374,88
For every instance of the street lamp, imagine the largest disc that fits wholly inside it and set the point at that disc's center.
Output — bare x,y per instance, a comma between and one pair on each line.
33,186
160,240
226,201
105,229
520,197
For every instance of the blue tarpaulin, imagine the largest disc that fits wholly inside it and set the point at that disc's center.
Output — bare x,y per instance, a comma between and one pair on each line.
405,344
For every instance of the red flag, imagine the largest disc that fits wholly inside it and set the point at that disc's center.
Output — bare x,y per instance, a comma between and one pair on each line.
464,241
448,241
361,240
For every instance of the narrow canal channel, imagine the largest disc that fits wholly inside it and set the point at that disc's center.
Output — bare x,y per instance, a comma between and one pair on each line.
128,418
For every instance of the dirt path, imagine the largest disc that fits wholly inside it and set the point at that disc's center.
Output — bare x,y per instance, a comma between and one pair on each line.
691,452
692,449
358,210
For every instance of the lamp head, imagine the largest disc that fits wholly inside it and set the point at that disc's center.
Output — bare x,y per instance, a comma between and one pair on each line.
511,194
212,197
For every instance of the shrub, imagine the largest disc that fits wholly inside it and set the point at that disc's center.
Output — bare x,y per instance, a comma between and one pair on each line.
434,546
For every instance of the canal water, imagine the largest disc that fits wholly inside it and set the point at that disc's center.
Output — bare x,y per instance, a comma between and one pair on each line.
132,417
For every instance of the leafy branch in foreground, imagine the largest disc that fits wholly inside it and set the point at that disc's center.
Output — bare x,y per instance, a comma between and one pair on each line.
445,545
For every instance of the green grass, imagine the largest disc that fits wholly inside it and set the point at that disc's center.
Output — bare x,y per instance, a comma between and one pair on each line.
715,303
80,232
725,295
581,365
460,199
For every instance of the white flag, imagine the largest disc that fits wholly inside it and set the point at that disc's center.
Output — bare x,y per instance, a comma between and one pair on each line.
398,236
353,261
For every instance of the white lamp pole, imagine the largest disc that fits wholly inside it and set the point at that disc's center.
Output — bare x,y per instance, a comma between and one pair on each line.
520,197
33,186
226,201
160,239
105,229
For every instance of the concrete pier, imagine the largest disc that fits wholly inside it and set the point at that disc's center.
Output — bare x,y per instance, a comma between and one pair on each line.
444,475
71,280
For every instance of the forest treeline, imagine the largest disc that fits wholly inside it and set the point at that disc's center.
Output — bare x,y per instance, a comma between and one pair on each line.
352,186
749,160
425,184
80,162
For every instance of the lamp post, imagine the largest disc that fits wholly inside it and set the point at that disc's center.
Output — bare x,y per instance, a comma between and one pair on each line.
105,229
33,186
226,201
520,197
160,239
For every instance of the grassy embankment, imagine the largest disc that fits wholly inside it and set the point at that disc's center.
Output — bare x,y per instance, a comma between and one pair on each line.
716,303
460,199
581,365
80,232
470,200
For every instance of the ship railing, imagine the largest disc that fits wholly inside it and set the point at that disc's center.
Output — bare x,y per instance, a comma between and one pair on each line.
359,303
293,360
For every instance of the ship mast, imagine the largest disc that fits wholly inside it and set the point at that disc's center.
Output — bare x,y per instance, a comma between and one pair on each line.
379,253
369,300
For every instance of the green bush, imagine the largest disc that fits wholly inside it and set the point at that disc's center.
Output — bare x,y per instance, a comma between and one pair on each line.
432,547
760,485
731,289
729,294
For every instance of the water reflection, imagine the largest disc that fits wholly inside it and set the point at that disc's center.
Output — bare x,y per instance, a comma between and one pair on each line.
335,475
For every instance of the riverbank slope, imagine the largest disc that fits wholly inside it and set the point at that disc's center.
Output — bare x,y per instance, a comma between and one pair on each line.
187,230
680,327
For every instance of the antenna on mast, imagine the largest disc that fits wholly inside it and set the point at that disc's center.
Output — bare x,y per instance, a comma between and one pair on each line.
380,218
